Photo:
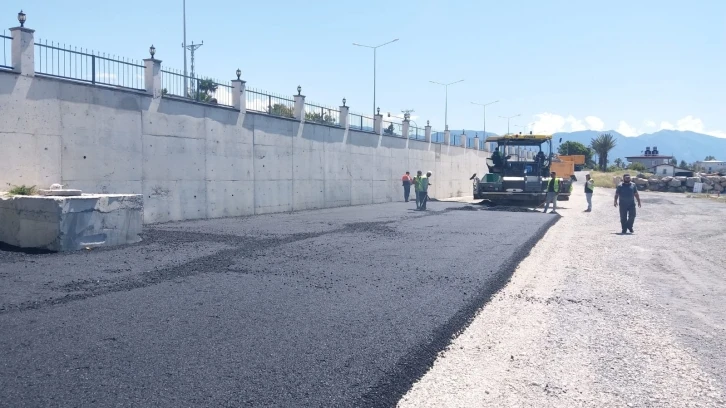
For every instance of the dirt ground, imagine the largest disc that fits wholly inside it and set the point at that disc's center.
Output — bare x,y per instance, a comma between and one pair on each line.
595,318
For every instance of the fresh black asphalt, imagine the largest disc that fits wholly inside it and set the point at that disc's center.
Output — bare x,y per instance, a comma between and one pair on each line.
338,307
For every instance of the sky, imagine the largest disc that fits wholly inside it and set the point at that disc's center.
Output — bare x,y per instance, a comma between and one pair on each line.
562,65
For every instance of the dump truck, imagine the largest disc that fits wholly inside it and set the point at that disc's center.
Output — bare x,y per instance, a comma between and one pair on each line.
577,159
519,171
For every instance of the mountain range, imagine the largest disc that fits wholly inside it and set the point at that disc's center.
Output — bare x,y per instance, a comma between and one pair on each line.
683,145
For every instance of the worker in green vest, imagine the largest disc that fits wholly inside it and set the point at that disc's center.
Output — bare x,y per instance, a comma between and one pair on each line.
589,188
553,189
416,184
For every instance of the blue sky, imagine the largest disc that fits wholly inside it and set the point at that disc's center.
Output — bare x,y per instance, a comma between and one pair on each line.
631,66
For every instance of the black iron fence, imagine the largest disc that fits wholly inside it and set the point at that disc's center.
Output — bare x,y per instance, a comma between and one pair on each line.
360,122
437,137
417,133
176,84
6,46
392,128
269,103
322,114
68,62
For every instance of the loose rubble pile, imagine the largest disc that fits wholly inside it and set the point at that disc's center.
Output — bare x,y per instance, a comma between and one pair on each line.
712,183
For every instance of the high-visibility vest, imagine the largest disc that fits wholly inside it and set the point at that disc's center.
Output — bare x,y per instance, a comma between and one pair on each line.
589,185
557,185
416,180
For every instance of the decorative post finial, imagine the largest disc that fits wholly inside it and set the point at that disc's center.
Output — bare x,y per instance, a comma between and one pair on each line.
21,18
299,89
379,110
343,101
428,123
152,51
239,73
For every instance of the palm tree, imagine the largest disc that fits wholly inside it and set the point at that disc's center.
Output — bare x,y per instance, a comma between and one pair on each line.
602,146
619,162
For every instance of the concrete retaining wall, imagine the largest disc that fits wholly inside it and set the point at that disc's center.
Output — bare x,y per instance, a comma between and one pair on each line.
196,161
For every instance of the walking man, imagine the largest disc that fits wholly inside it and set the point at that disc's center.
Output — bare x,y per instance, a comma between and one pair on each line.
589,186
553,189
626,192
416,185
423,188
406,180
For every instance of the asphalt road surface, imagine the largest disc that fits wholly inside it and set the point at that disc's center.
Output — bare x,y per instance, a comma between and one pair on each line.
339,307
593,318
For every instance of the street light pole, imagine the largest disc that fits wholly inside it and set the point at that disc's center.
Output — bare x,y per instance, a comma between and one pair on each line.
446,104
184,13
484,106
508,118
374,67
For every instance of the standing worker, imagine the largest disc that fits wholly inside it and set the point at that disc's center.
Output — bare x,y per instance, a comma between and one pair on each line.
589,186
406,180
423,189
416,181
553,189
627,192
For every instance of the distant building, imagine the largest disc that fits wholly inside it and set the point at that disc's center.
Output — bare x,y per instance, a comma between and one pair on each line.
650,158
669,170
712,166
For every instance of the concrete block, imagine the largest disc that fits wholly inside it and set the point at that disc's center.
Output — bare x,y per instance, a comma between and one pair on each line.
29,105
172,200
337,193
71,223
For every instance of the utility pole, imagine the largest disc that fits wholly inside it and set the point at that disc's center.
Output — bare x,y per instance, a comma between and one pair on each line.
192,48
184,45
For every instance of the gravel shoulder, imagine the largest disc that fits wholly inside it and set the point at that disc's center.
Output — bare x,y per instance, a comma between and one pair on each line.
594,318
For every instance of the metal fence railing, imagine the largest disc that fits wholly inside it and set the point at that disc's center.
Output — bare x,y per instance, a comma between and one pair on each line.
205,90
417,133
392,128
269,103
62,61
437,137
322,114
6,46
360,122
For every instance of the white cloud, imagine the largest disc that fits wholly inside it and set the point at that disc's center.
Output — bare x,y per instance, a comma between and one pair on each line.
666,126
627,130
552,123
690,123
649,123
595,123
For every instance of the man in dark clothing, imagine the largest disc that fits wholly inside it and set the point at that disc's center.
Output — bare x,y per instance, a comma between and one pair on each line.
627,193
406,181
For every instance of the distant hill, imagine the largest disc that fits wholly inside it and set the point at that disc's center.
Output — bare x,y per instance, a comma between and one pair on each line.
683,145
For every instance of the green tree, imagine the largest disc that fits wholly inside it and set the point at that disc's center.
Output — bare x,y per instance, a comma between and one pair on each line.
388,130
205,91
576,148
319,117
709,157
683,165
618,162
674,161
637,167
602,146
279,109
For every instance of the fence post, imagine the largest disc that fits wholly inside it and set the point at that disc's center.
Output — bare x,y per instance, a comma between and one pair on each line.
239,101
428,132
447,137
378,122
299,111
344,118
476,142
152,76
405,128
23,50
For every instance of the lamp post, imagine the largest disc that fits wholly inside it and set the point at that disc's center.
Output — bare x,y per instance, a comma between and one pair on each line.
184,45
374,67
508,118
21,18
484,106
446,106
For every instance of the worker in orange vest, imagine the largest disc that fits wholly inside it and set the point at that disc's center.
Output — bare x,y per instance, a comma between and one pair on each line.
406,180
